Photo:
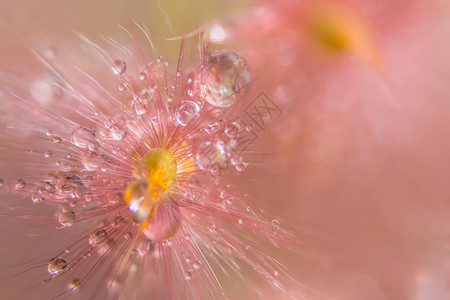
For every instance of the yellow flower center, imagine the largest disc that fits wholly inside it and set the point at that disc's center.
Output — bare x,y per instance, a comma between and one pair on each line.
154,177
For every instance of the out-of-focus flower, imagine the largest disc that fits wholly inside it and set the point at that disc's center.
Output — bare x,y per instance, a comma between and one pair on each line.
366,135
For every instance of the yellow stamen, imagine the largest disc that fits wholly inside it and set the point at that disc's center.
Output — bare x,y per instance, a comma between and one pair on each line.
153,178
337,30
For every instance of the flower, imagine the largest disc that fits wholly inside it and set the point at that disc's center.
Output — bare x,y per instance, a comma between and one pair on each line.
145,155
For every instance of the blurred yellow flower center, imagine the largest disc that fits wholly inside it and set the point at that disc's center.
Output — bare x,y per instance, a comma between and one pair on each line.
338,29
151,179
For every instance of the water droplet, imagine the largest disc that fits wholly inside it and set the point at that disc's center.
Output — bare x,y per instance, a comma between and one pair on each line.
67,219
19,184
88,197
188,275
209,155
48,154
145,96
84,138
56,266
223,195
140,108
119,67
214,126
142,76
232,130
275,224
37,199
216,33
74,284
57,140
276,273
91,161
159,59
145,247
117,132
137,205
69,185
116,222
223,77
197,264
97,237
240,221
128,235
48,186
164,223
241,167
187,111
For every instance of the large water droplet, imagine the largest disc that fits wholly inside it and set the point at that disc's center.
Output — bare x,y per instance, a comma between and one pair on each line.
56,266
97,237
67,219
165,223
137,205
119,67
84,138
187,111
222,78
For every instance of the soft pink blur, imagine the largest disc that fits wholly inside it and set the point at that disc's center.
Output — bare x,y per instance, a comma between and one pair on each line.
363,141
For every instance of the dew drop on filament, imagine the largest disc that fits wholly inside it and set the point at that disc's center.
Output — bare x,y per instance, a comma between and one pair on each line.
188,275
140,108
84,138
67,219
74,284
48,154
56,266
187,111
117,132
119,67
97,237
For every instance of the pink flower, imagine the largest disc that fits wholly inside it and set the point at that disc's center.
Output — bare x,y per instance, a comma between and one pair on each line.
141,163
